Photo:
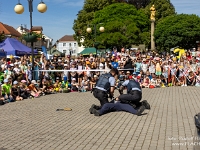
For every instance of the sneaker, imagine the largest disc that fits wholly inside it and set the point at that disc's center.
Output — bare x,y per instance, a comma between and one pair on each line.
140,110
185,84
96,112
94,107
146,104
91,108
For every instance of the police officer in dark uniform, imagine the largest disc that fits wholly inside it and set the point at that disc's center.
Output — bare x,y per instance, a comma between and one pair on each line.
104,86
134,94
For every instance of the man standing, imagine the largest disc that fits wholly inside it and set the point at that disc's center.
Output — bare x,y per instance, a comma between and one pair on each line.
104,86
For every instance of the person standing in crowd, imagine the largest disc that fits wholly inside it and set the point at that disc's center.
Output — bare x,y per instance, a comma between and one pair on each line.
8,73
28,74
104,86
24,68
138,66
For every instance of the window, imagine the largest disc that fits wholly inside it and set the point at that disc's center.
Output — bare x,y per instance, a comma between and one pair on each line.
70,44
64,44
74,44
74,51
64,51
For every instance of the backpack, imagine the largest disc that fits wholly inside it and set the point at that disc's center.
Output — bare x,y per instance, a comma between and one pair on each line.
197,120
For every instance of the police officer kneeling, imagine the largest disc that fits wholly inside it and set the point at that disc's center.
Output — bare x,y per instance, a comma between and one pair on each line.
104,86
134,94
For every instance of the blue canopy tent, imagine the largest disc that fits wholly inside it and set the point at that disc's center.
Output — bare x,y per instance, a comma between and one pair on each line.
14,47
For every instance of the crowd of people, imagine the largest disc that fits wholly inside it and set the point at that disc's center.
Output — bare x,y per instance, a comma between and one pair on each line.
80,74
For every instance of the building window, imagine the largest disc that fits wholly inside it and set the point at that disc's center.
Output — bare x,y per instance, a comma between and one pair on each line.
64,51
74,51
70,44
64,44
74,44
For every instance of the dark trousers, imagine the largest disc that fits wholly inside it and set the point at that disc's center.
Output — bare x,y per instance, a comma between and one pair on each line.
110,107
102,96
133,96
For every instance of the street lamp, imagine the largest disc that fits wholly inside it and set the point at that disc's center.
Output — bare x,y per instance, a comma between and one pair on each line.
89,30
19,9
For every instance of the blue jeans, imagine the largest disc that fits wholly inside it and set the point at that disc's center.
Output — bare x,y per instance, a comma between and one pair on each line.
9,98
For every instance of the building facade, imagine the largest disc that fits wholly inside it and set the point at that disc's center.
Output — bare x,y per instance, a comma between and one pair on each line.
68,45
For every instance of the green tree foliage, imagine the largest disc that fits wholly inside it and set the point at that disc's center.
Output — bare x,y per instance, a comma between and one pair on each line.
2,37
124,25
178,30
137,3
164,8
85,16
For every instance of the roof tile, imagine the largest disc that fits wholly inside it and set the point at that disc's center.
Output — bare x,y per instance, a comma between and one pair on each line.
66,38
9,30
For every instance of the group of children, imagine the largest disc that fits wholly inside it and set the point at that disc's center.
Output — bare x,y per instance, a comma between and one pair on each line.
11,91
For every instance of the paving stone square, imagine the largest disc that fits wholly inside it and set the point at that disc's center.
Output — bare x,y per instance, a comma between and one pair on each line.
34,124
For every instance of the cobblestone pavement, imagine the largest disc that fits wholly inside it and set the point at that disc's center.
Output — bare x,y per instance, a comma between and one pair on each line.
36,125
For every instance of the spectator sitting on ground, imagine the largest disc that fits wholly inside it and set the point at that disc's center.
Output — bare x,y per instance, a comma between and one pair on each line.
7,91
146,82
1,97
191,79
33,90
74,85
57,85
85,84
93,82
198,80
16,92
24,93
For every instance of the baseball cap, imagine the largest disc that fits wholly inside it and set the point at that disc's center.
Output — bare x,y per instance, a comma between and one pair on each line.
5,80
15,82
33,81
73,79
23,81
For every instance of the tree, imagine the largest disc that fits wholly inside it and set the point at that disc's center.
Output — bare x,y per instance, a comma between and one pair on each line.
137,3
124,25
85,16
164,8
2,36
178,30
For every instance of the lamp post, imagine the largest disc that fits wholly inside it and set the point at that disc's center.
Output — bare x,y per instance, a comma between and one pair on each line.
19,9
89,30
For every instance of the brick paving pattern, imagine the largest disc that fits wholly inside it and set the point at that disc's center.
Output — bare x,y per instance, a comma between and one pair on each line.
36,125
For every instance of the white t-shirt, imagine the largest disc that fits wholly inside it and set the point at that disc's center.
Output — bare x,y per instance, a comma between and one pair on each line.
144,67
101,65
17,70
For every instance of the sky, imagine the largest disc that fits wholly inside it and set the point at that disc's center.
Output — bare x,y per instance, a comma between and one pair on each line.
58,20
